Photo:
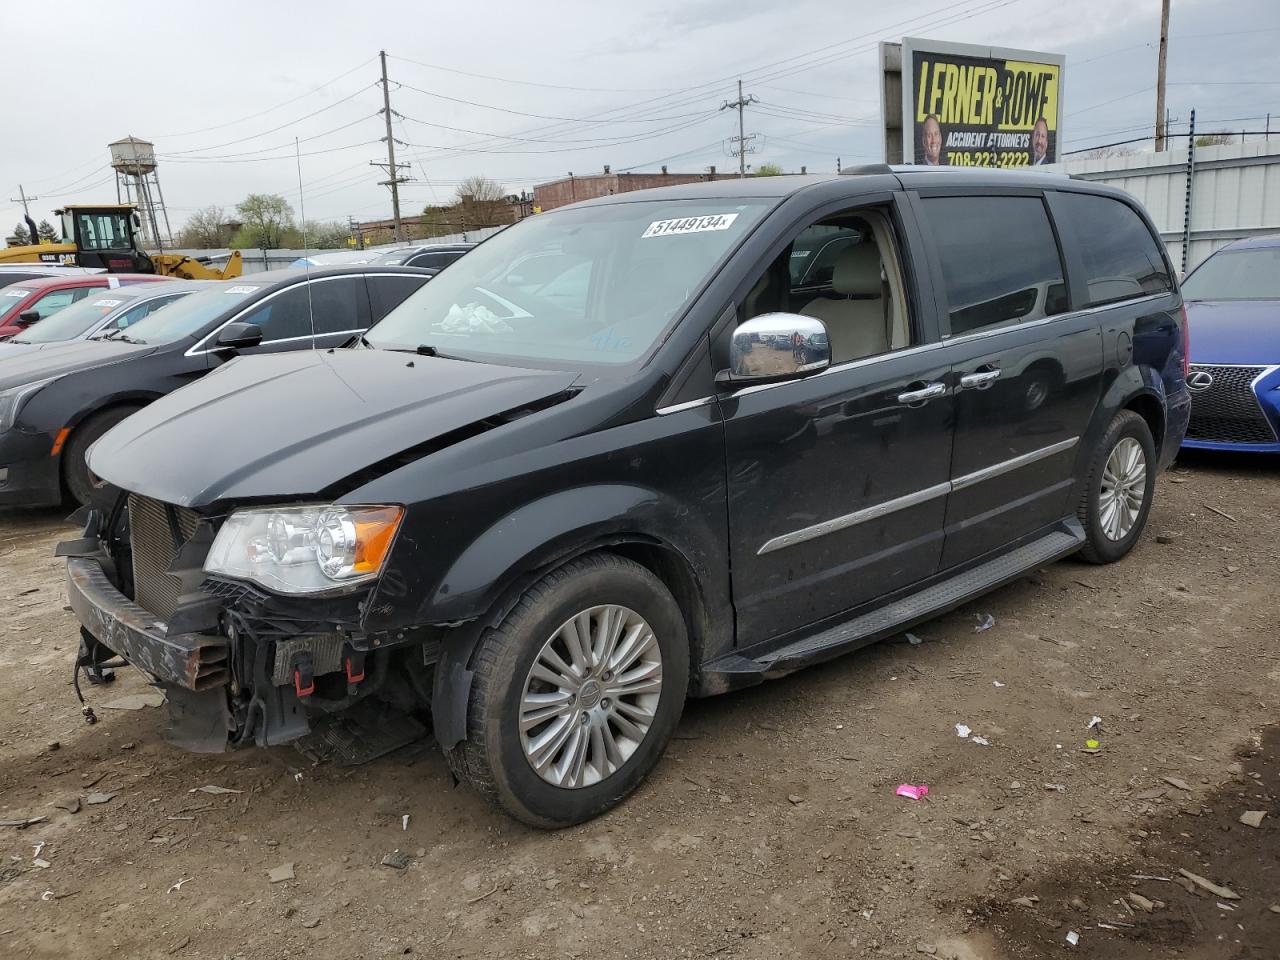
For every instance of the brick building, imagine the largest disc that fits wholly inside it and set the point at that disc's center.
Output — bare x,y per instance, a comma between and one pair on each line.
557,193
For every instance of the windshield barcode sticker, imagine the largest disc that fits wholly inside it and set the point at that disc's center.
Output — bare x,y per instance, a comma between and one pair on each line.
240,290
106,303
667,228
15,293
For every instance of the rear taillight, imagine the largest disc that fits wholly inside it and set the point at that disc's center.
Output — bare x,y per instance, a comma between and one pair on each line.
1186,344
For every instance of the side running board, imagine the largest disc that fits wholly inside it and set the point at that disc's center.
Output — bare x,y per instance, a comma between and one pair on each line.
734,670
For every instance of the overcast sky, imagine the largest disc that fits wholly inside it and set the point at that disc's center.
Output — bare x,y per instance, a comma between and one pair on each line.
223,89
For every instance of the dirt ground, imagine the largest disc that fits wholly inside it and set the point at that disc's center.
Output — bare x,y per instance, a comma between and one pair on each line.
771,829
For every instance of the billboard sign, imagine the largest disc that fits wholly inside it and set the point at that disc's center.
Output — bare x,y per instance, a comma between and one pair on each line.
977,106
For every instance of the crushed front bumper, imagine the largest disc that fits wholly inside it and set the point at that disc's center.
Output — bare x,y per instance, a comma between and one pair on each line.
193,661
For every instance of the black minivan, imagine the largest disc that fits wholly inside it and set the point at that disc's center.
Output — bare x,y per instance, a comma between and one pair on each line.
628,452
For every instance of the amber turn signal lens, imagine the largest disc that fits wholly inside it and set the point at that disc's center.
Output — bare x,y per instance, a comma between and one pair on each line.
375,529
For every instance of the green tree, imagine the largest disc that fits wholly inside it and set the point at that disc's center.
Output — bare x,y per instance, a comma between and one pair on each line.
328,235
769,170
207,229
265,217
1214,139
21,237
46,232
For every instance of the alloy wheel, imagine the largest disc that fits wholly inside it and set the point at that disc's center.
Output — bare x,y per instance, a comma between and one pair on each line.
1124,487
591,696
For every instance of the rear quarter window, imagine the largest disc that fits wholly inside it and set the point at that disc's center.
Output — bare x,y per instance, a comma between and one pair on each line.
387,293
1122,260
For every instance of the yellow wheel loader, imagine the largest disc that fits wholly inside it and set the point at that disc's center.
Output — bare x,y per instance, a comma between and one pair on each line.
109,236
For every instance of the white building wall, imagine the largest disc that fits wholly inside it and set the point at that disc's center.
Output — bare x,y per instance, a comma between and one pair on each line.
1237,191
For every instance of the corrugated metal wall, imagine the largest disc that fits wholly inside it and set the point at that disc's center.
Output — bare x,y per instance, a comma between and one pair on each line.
1237,191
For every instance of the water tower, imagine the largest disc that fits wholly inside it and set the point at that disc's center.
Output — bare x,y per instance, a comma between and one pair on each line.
134,162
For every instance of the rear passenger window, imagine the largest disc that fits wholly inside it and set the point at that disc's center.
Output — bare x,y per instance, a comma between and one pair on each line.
1121,257
1000,262
327,306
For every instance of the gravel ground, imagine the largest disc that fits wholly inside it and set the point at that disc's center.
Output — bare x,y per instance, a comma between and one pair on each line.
771,829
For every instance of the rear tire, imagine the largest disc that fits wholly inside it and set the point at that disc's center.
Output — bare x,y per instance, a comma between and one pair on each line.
1117,496
533,702
75,471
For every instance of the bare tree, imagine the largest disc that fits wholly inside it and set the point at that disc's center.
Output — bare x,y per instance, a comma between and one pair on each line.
480,190
481,203
206,229
1102,153
1214,139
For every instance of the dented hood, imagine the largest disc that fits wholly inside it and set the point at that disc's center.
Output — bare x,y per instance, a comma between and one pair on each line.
293,424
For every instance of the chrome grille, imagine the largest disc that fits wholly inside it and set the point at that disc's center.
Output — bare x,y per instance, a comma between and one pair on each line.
1228,411
152,529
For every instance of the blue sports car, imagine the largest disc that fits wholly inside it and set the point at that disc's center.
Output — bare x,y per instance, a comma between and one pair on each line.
1233,308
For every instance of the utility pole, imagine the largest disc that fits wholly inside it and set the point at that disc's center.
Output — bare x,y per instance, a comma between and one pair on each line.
1164,52
394,180
23,199
356,233
741,139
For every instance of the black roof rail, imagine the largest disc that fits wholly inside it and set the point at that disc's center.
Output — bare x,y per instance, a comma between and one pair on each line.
866,168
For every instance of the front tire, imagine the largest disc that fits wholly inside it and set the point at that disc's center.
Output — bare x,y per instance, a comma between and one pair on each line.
1117,496
576,693
75,469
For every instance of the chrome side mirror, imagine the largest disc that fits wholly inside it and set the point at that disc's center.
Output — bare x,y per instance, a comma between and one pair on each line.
776,346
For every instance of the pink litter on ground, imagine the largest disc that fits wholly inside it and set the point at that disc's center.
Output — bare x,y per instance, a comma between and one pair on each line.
911,791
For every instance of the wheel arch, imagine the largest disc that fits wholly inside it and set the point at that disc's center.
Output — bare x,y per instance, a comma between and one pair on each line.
125,399
73,424
628,521
1151,409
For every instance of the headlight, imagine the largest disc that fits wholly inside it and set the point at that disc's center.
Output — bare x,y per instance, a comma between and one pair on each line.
11,401
314,549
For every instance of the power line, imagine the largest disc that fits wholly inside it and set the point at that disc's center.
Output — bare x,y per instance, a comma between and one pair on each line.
267,133
1094,106
74,184
531,83
285,103
250,153
283,156
918,22
503,136
519,113
621,141
1224,83
816,93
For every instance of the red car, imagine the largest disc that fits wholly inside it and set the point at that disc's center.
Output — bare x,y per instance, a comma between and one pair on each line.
22,304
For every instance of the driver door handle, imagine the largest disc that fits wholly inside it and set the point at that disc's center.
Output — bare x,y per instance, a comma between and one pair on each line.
925,393
979,379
